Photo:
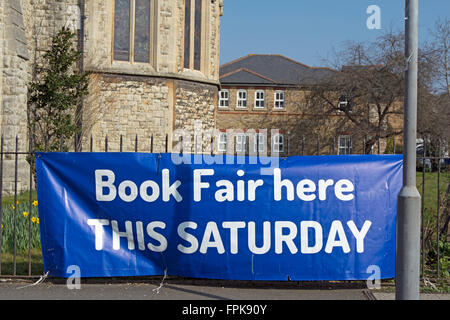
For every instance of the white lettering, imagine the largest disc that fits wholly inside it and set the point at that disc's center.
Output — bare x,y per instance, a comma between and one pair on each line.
198,184
226,194
252,238
252,185
233,226
344,185
286,238
188,237
303,186
170,190
323,185
304,242
211,230
359,235
278,184
99,231
337,230
100,185
123,186
144,188
157,236
128,233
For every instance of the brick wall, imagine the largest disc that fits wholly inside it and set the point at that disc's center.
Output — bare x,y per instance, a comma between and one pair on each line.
294,122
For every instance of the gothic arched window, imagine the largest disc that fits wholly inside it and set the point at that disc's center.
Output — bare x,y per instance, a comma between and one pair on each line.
193,21
132,30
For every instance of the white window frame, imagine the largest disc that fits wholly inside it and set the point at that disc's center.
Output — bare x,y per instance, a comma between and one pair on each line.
278,143
240,101
259,142
343,105
241,143
348,147
222,142
278,100
260,100
223,99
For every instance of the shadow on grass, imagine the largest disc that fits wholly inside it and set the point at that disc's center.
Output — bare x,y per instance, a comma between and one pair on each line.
22,263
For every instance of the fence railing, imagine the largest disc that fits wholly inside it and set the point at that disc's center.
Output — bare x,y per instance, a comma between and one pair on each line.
20,253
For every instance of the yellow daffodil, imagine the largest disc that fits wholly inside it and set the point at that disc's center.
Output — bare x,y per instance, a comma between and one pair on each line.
17,202
37,220
35,203
33,219
2,226
25,214
13,207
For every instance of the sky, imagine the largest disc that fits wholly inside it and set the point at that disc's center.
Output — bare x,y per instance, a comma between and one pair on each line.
309,30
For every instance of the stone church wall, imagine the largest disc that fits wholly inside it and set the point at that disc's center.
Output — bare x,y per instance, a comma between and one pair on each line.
153,98
14,76
125,99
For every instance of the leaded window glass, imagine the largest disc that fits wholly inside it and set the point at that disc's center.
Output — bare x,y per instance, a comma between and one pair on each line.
187,34
193,29
132,30
122,24
198,34
142,31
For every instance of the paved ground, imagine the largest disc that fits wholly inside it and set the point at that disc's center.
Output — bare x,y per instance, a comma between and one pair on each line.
423,296
174,290
191,289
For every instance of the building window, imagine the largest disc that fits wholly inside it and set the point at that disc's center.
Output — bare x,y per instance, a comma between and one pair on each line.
344,104
222,142
242,99
260,97
193,30
132,30
224,99
345,145
279,100
241,143
259,142
278,143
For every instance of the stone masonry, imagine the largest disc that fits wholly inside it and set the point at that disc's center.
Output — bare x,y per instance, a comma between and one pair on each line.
126,99
14,59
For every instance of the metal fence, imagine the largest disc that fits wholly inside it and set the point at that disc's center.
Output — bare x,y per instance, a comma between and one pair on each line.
20,254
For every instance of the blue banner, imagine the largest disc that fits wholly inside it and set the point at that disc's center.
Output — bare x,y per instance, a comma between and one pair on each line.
133,214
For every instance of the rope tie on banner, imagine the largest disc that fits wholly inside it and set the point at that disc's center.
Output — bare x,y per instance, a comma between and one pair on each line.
162,282
427,283
41,279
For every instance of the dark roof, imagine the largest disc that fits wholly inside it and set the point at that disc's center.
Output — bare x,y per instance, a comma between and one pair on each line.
262,69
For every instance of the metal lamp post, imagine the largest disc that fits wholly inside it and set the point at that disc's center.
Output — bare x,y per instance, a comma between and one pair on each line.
407,278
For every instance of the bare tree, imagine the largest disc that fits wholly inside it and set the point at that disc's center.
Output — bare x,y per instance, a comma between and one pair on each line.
441,46
434,94
364,96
